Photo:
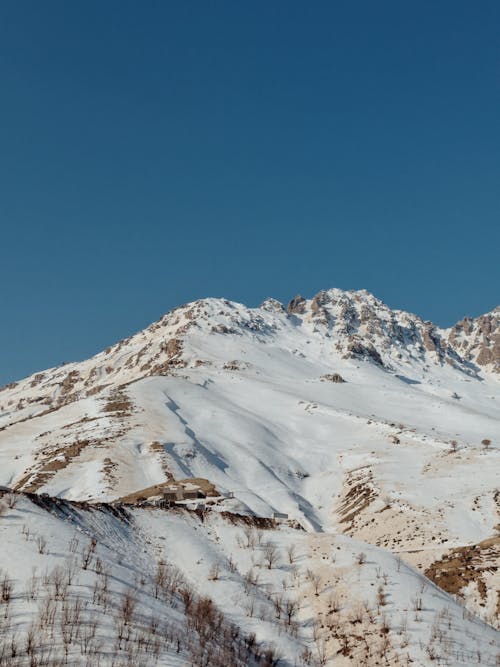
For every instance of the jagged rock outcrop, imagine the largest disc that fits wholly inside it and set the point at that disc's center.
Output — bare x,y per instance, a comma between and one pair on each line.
297,305
478,340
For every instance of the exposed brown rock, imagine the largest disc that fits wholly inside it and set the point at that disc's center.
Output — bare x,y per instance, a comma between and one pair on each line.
478,340
461,566
69,382
173,347
333,377
297,305
358,349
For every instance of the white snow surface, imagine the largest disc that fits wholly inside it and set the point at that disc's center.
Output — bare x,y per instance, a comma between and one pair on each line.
244,398
421,619
242,402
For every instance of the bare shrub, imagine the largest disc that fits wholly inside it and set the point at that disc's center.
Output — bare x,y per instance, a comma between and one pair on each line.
33,586
290,610
58,583
381,597
214,572
6,588
250,579
168,579
271,555
250,537
41,543
417,603
73,545
315,580
127,607
334,604
88,553
361,558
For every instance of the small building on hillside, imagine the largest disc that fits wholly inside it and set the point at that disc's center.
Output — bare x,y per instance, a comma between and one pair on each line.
178,491
171,495
172,492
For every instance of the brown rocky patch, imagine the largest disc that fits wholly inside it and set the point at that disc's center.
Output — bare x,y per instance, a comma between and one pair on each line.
119,403
332,377
469,564
359,492
297,305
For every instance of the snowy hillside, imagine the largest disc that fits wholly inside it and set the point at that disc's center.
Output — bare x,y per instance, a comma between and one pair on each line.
104,585
358,422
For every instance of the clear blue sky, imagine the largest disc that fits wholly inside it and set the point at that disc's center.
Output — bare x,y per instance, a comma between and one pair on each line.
155,152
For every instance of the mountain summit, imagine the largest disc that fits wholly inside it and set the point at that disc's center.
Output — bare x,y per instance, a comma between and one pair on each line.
334,324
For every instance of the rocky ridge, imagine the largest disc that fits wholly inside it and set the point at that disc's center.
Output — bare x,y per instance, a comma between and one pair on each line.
353,324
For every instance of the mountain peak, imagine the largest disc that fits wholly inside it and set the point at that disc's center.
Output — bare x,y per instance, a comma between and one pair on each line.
334,323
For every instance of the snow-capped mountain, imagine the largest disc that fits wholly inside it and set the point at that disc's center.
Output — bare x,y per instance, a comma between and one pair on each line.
354,420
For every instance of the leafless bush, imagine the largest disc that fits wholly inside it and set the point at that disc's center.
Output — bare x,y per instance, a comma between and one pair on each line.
250,606
70,570
250,537
88,553
33,586
47,614
231,564
321,652
290,610
98,566
315,580
357,613
417,603
101,590
292,554
168,579
58,583
73,545
250,579
187,598
41,543
381,597
334,604
271,555
127,607
214,572
361,558
6,589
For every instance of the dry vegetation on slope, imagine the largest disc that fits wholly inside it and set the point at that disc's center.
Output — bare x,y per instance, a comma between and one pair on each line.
114,586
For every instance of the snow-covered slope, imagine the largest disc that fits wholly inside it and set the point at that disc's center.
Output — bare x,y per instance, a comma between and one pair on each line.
100,585
347,416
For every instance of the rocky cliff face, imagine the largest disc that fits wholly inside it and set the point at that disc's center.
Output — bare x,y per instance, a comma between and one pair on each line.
364,327
478,340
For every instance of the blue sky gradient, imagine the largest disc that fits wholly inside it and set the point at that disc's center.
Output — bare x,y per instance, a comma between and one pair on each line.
152,153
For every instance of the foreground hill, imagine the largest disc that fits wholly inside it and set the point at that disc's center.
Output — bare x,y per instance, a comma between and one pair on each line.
345,415
107,585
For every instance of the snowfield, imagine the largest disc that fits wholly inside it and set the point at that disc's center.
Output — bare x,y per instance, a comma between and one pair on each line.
305,596
375,432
